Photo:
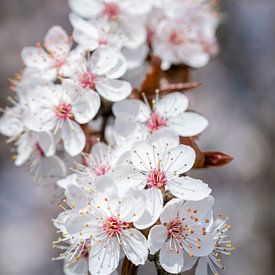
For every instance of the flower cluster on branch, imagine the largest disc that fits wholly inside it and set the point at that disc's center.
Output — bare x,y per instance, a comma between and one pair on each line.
104,115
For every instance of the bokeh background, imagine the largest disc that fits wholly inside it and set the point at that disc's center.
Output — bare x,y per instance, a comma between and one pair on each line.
238,97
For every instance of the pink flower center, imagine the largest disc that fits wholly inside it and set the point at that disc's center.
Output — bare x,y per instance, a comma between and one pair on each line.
102,41
176,38
39,150
64,111
102,170
174,229
113,227
157,178
59,63
155,122
88,80
111,10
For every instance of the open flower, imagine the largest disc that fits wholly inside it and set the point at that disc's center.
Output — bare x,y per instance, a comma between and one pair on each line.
101,161
183,32
100,73
127,16
37,151
59,108
182,233
169,112
108,223
92,35
54,57
156,167
219,230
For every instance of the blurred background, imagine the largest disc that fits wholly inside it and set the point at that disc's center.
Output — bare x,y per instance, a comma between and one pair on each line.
238,97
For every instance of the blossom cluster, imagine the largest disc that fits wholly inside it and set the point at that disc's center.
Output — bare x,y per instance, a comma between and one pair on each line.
126,192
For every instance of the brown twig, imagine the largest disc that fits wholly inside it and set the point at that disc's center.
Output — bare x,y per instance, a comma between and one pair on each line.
128,268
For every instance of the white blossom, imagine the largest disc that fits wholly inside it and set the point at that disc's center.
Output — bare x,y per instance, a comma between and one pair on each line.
54,57
107,223
184,32
157,166
58,108
169,112
100,72
182,234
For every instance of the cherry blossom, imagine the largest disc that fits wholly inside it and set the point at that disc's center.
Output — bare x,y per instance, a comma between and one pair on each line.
184,32
108,223
58,108
120,170
219,231
92,35
157,166
169,112
54,57
36,150
182,233
100,73
128,17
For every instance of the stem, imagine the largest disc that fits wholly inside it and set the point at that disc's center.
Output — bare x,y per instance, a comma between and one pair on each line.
128,268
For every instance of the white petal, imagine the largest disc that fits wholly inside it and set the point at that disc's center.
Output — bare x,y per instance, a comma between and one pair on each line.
104,60
132,205
42,101
73,138
86,41
172,105
156,238
138,7
134,246
52,167
189,189
207,244
36,58
170,261
86,106
126,177
188,124
47,143
73,62
104,258
71,179
136,34
144,157
57,42
164,140
113,89
195,57
11,124
106,197
25,147
86,8
203,207
119,68
171,210
84,26
81,226
135,57
154,205
76,197
131,110
179,160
